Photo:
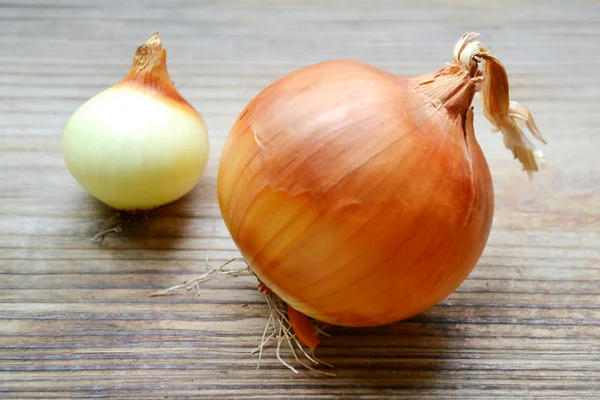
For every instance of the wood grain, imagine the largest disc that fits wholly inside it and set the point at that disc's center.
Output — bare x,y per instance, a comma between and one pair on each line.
76,319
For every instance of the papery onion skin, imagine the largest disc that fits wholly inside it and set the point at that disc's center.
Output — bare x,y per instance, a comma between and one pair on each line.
359,197
363,208
137,145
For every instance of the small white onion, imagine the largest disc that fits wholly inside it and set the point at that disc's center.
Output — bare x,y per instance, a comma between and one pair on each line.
137,145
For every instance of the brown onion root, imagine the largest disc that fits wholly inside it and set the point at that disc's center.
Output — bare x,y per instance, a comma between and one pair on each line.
120,218
112,224
282,332
504,114
278,327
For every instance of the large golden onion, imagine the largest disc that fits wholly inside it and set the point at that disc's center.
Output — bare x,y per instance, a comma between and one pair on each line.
361,197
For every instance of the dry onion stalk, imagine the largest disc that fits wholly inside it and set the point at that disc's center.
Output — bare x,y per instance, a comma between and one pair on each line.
362,198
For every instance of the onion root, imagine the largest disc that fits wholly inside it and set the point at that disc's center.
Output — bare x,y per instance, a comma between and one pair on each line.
281,327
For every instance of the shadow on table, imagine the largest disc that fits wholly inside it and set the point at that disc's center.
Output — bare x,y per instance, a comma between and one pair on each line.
159,229
162,243
412,354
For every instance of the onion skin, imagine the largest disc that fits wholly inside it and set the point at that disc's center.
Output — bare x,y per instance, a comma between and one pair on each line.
382,213
360,197
139,144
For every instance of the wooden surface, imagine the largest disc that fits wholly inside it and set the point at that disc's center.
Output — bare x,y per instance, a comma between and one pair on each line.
76,319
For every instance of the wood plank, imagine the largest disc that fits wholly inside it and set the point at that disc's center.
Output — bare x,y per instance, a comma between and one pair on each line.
76,316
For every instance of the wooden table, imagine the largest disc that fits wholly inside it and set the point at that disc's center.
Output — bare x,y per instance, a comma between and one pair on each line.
76,317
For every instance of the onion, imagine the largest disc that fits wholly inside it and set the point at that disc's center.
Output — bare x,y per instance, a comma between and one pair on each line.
360,197
139,144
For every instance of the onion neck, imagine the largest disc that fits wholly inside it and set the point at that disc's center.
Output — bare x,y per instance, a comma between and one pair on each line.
455,86
149,71
451,88
150,63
